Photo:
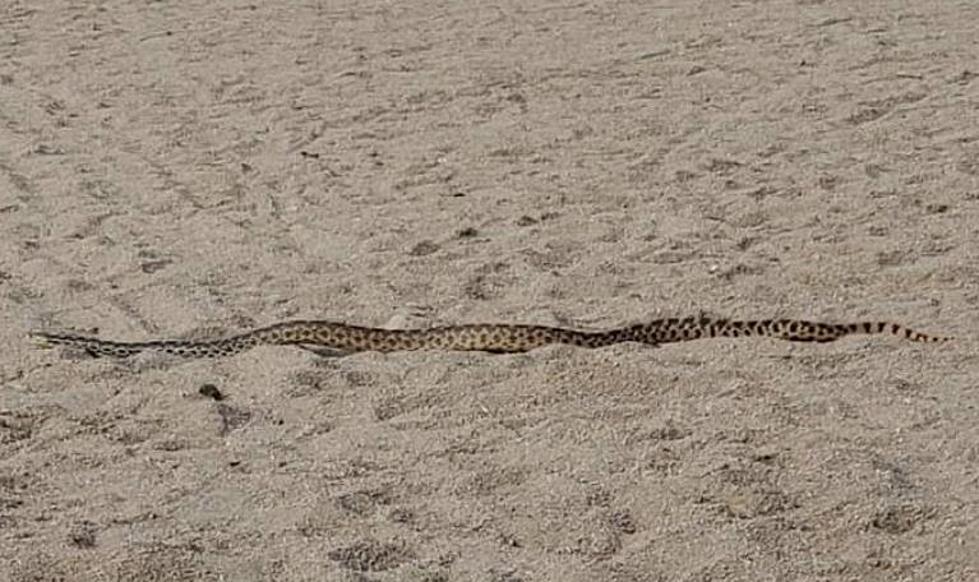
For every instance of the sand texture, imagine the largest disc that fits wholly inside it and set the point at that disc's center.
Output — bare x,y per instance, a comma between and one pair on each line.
196,168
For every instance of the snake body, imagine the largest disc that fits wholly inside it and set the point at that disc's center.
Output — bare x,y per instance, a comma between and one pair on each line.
498,338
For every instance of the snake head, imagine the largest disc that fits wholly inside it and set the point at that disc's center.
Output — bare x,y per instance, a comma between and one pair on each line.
42,340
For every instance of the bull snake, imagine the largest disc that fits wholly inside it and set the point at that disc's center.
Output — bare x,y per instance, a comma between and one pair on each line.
341,338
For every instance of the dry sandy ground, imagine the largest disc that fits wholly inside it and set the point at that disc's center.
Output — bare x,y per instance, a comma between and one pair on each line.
172,169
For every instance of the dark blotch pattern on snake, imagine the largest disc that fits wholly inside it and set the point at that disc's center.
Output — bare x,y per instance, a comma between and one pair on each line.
497,338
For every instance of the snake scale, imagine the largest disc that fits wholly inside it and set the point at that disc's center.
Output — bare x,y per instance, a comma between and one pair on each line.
498,338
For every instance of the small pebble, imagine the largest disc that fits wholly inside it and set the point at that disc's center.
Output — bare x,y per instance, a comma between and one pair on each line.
211,391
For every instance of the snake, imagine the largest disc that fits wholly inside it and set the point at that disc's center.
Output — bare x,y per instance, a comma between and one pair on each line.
334,338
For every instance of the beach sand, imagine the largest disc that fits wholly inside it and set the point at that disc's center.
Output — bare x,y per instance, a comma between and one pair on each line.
199,168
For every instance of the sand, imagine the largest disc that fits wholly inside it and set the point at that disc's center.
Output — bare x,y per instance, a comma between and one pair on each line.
186,169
